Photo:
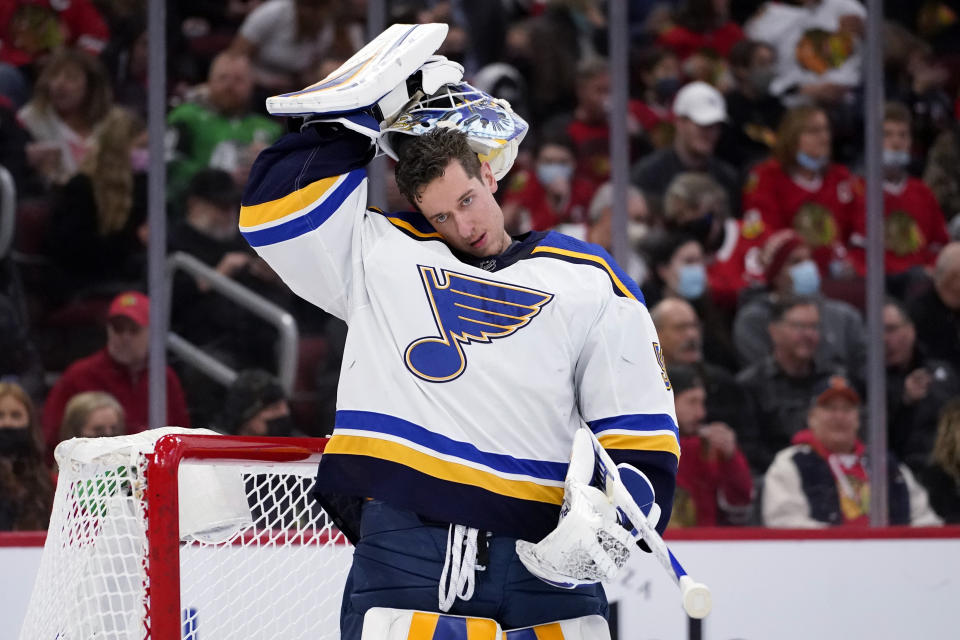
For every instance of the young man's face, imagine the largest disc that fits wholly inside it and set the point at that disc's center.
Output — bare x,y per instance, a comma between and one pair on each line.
691,409
463,210
896,136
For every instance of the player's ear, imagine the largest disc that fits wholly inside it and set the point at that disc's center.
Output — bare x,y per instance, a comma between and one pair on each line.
487,177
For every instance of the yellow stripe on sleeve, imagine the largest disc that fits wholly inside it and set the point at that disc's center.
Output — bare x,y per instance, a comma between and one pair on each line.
640,442
422,626
586,256
257,214
442,469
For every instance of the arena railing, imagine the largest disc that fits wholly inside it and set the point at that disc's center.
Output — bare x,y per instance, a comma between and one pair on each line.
8,211
258,305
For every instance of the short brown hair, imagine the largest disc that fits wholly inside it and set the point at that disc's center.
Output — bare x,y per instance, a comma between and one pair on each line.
425,158
788,134
897,112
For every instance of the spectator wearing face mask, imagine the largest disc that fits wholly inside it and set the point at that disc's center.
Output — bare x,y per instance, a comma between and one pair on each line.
696,205
550,194
789,271
801,189
600,229
26,489
914,226
678,270
256,406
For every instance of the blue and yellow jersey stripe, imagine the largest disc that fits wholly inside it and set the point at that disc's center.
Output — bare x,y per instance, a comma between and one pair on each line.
561,247
298,212
654,432
412,224
364,433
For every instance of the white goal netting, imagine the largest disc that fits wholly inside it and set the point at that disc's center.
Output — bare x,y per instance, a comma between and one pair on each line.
226,545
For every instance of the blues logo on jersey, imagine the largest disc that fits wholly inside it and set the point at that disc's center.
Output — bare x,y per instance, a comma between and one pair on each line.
467,309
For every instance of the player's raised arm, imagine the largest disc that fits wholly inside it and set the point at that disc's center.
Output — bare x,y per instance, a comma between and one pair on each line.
306,196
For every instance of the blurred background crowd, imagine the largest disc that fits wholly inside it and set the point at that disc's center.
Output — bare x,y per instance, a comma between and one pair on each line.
747,226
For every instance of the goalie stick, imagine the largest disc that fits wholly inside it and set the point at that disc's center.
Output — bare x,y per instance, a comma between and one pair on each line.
696,598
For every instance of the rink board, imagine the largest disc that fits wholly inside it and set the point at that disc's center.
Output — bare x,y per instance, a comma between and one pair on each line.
765,585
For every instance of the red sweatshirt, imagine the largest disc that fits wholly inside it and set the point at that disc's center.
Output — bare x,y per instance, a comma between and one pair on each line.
914,228
823,212
704,481
99,372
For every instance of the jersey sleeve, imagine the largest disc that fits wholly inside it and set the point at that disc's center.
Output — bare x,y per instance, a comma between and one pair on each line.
302,208
761,203
626,398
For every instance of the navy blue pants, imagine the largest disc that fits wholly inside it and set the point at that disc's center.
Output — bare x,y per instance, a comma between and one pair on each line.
398,561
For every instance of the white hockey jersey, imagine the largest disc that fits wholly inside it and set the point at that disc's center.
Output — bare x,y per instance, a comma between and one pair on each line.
460,388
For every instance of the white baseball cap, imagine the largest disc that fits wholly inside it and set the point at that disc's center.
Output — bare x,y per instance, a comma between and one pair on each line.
701,103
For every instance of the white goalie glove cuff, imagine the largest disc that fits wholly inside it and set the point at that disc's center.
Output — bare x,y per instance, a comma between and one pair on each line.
598,528
588,546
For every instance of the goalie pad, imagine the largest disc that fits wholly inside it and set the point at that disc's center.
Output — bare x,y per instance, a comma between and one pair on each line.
596,533
383,623
582,628
493,130
368,75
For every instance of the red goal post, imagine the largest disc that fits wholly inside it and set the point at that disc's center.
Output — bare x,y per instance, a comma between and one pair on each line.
178,533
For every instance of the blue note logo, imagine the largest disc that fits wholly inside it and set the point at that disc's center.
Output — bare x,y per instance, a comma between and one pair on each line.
467,309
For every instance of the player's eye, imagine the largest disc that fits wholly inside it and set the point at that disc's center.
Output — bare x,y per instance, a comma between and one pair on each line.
466,201
440,219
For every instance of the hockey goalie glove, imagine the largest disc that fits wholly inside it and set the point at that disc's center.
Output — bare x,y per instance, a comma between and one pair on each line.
369,75
494,132
595,535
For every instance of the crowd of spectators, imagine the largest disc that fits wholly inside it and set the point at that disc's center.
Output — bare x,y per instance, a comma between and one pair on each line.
746,226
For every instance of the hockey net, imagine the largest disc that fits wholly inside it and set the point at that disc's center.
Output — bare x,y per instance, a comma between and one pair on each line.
170,534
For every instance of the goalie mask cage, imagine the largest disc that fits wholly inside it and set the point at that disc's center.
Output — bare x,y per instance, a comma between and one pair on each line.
169,534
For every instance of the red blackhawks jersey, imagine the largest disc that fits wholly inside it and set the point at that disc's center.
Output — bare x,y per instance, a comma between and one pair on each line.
30,28
735,265
540,215
823,211
592,141
914,228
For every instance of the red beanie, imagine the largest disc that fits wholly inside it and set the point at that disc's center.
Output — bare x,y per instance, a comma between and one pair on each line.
776,250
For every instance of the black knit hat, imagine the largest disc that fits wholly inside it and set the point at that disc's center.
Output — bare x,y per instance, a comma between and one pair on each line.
215,186
684,377
253,390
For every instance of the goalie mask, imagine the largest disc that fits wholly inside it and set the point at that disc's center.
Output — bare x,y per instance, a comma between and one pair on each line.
493,130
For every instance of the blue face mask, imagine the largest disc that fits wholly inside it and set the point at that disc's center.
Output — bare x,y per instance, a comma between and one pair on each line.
550,172
692,281
806,278
895,159
810,163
